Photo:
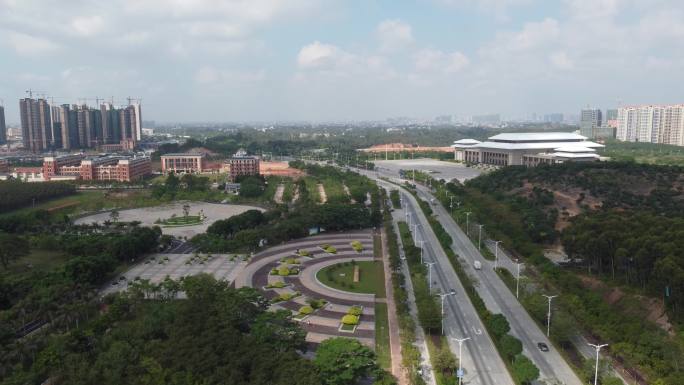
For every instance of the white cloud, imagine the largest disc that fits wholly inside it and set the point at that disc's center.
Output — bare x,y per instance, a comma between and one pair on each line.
87,26
28,45
318,55
432,60
394,35
208,75
561,60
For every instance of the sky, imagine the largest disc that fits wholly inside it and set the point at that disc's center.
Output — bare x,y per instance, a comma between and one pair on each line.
322,60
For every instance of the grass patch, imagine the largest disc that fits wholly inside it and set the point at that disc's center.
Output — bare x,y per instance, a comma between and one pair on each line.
341,277
38,260
382,343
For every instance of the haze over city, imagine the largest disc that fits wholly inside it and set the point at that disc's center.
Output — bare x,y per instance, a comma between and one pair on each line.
343,60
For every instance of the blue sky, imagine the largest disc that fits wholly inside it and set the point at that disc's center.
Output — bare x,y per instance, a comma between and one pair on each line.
260,60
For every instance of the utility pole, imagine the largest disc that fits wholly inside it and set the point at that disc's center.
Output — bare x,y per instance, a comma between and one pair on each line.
451,204
548,314
467,223
496,254
479,238
429,266
598,348
443,296
415,232
460,368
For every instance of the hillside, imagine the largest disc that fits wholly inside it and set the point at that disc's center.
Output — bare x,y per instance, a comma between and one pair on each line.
574,188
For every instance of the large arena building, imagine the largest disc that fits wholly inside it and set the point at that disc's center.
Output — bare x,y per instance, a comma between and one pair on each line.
529,149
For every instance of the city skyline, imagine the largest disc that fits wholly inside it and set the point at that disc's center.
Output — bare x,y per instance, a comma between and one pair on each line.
265,60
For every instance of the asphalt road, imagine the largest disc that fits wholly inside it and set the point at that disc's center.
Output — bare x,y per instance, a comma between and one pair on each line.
499,299
438,169
481,361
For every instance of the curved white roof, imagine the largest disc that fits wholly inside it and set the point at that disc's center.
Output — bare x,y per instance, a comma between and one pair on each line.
537,136
467,141
534,145
574,149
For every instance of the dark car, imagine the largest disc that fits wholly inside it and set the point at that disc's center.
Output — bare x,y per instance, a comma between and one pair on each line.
543,347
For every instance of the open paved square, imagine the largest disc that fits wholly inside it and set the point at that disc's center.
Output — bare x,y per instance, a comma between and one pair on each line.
156,267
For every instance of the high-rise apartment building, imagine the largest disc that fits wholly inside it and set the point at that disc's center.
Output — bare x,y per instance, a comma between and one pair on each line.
3,128
662,124
78,126
590,122
36,124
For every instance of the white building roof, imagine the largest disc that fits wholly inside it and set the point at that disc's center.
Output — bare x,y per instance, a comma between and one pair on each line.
467,141
533,145
575,149
537,136
575,155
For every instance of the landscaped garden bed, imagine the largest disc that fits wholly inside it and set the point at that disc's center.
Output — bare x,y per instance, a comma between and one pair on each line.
351,320
357,246
285,271
285,297
328,248
276,285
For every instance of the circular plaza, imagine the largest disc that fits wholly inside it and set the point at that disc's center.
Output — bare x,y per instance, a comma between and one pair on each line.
170,217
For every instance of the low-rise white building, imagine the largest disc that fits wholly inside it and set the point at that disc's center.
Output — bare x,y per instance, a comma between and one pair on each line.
511,149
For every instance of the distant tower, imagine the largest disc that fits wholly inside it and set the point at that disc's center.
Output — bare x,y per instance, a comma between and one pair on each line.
3,128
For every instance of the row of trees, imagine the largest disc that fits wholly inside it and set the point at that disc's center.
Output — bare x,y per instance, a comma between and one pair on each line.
15,194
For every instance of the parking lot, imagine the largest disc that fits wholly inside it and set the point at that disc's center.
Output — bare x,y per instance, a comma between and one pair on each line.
438,169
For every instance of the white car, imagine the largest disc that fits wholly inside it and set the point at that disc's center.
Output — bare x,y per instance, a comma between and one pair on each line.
477,265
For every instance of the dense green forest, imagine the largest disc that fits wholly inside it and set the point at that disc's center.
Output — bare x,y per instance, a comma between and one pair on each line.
36,301
218,335
16,194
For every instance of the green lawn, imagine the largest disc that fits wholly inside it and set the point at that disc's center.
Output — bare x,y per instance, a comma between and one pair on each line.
87,201
341,276
382,344
312,188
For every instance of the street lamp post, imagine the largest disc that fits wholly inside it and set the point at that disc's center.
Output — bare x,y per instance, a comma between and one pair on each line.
479,238
460,368
443,296
415,232
598,348
517,281
548,314
451,204
467,223
496,254
429,266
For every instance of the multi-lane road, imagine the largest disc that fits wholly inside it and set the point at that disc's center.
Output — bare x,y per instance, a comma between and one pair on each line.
496,295
499,299
481,361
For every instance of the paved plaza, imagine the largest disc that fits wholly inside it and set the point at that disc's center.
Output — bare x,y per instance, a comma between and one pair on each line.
157,267
438,169
148,215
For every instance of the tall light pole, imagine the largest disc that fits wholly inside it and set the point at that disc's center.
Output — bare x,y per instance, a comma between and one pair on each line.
451,204
479,238
443,296
496,254
415,232
467,223
429,266
598,348
460,368
517,281
548,314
